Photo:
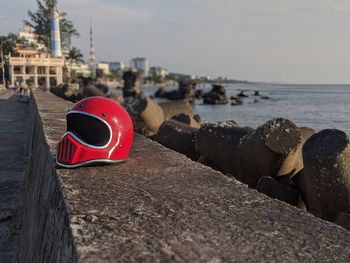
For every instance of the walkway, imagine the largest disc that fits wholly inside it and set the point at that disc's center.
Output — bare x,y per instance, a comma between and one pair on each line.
13,116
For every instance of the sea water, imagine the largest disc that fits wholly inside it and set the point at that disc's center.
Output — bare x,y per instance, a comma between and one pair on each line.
315,106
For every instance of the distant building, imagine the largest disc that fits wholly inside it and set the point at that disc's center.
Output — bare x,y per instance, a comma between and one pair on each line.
158,72
104,67
80,69
35,67
117,67
140,64
28,38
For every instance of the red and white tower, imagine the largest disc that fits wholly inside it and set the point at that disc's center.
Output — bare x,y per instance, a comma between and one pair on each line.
92,57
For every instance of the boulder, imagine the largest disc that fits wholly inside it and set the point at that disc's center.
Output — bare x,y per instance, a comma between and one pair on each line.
199,94
293,163
132,84
242,94
91,91
270,150
174,108
186,119
219,143
185,91
216,96
287,193
179,137
343,220
147,115
70,92
325,181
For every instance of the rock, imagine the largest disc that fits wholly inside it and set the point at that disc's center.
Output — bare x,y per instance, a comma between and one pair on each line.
160,93
185,91
147,115
186,119
91,90
132,84
199,94
197,118
343,220
306,133
179,137
102,87
69,92
219,142
278,190
174,108
242,94
216,96
117,98
293,163
236,102
270,150
325,182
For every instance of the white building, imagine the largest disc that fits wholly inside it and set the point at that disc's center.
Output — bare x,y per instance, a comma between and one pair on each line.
104,67
141,64
35,67
29,37
79,68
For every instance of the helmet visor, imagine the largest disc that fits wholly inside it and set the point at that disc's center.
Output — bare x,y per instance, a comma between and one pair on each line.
89,129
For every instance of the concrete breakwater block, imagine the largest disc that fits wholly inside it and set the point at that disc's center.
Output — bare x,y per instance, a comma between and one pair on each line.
179,137
186,119
218,143
174,108
343,220
147,115
152,115
278,190
325,182
270,150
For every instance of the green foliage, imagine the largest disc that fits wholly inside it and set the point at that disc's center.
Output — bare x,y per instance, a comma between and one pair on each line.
75,56
40,20
9,42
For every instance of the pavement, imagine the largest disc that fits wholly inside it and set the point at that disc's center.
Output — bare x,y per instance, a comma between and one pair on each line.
13,159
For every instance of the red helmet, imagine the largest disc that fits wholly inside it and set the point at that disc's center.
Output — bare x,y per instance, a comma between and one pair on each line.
98,130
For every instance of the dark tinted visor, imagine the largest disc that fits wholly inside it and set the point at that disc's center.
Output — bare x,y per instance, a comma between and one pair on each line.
90,130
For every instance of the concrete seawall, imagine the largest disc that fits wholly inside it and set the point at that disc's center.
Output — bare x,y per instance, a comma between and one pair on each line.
159,206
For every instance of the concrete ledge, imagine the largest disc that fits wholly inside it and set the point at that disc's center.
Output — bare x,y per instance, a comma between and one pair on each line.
159,206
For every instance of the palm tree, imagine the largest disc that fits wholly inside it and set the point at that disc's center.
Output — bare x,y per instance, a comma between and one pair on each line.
75,56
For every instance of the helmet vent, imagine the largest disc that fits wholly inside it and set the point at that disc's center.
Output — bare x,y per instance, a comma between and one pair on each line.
65,150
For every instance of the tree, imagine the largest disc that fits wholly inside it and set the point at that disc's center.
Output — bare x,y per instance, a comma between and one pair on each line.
9,42
40,20
75,56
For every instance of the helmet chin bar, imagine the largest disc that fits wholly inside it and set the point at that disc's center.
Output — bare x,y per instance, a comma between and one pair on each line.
89,162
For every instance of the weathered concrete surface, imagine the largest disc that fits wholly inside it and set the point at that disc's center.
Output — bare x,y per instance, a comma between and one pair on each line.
45,235
13,139
159,206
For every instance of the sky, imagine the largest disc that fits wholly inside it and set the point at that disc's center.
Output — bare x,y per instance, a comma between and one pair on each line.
290,41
